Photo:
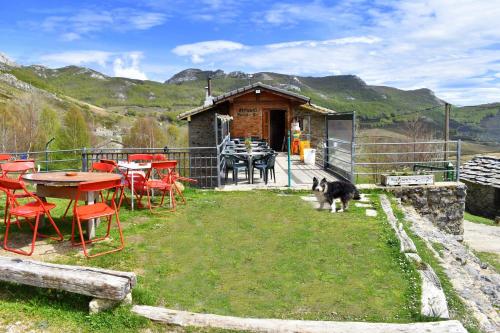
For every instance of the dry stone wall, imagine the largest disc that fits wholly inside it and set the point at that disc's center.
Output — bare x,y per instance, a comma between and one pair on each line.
441,203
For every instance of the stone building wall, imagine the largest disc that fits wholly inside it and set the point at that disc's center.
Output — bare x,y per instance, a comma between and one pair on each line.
442,203
318,125
201,129
481,200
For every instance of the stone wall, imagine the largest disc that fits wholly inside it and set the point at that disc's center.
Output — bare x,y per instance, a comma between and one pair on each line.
481,200
442,203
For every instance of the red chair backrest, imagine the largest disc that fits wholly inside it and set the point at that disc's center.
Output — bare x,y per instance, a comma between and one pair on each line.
140,157
99,185
164,169
20,166
112,162
5,157
9,186
102,167
159,157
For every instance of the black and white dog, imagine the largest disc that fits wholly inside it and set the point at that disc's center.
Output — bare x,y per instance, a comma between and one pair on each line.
329,192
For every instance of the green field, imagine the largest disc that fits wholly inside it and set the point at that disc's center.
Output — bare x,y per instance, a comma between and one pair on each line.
257,254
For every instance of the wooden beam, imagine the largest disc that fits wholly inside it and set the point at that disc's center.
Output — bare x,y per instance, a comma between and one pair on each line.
90,281
185,319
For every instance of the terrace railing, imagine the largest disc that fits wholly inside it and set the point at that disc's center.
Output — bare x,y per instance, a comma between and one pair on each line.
196,163
365,162
372,159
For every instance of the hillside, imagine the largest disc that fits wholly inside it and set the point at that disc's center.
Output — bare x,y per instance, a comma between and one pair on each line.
376,106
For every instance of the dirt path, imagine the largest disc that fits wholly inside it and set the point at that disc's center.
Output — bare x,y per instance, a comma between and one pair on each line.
482,238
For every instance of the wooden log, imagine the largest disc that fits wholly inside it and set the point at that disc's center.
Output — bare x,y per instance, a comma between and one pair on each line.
185,319
90,281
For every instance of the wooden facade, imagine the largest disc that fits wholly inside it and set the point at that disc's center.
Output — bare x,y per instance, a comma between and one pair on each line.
258,111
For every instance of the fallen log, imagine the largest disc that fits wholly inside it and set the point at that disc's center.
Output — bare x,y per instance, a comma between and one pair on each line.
90,281
185,319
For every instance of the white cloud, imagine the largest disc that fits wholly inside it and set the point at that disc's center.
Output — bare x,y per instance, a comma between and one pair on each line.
128,66
70,36
408,44
198,50
83,22
147,20
83,57
123,64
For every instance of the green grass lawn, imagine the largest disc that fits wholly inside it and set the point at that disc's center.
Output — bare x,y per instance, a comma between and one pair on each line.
257,254
478,219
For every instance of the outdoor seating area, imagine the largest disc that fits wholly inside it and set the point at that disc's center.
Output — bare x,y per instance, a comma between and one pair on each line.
249,155
92,197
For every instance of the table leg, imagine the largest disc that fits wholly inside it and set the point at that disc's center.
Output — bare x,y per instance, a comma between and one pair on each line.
91,224
250,169
132,195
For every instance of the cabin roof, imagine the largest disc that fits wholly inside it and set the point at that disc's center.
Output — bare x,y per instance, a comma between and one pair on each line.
484,170
304,100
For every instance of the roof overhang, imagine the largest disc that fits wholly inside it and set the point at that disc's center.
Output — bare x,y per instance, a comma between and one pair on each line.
242,91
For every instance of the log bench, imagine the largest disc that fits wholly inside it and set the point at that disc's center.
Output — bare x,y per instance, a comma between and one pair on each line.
108,287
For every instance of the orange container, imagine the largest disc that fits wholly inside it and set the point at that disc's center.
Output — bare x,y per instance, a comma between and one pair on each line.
303,145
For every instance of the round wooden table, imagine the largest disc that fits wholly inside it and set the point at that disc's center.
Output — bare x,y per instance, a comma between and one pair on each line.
63,179
63,185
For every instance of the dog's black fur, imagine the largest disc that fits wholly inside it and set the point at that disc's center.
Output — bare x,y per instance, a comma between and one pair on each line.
326,191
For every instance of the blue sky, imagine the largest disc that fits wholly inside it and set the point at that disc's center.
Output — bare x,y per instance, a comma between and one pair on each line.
449,46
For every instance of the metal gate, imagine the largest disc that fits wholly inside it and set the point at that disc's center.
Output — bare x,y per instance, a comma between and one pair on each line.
340,145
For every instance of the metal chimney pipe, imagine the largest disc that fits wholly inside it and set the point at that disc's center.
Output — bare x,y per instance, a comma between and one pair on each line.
209,85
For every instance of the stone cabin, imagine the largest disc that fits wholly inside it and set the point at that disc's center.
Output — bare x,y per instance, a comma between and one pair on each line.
257,110
482,177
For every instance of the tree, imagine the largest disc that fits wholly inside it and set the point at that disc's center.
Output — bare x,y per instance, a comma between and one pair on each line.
145,133
48,127
75,132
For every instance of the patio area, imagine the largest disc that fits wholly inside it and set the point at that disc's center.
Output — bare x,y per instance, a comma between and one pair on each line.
301,176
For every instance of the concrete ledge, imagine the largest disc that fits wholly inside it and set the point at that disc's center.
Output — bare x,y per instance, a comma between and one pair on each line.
186,319
432,298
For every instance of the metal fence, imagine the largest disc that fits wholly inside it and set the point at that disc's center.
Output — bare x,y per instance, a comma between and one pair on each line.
372,159
365,162
196,163
53,160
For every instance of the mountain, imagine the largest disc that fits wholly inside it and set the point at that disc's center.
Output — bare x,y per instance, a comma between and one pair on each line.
376,106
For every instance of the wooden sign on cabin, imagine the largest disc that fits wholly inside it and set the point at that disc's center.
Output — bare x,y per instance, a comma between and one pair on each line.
247,112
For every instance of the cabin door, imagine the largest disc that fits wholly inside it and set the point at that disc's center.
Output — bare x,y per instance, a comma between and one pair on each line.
277,129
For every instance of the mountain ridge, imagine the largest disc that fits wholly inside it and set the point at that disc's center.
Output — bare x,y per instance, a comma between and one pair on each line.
376,106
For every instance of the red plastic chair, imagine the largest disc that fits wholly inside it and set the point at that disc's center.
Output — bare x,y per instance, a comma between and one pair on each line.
5,157
96,167
94,211
159,157
164,171
140,158
19,167
102,167
33,209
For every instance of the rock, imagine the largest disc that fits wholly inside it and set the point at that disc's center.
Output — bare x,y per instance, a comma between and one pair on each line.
97,305
414,257
371,212
433,298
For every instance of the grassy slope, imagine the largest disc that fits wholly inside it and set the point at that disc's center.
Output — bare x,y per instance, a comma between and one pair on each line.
223,253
